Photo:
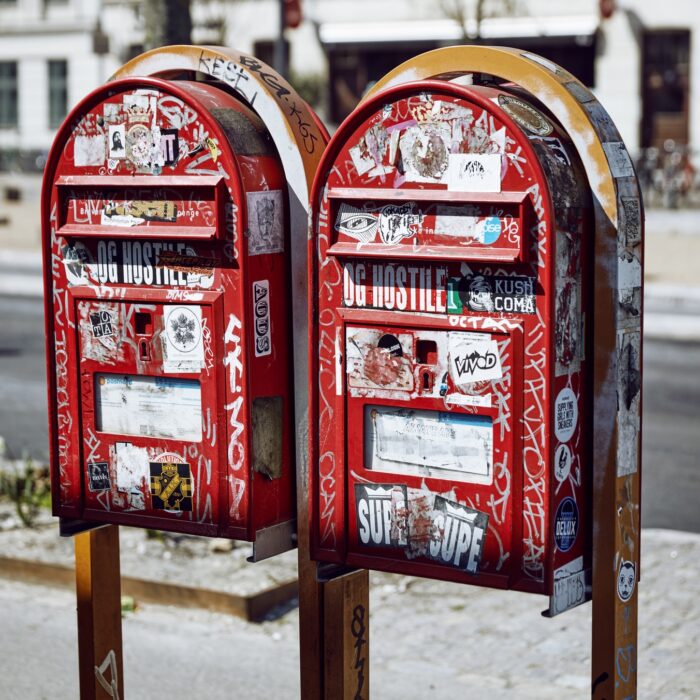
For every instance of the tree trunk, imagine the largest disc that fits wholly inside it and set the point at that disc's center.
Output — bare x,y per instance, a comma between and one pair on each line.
167,22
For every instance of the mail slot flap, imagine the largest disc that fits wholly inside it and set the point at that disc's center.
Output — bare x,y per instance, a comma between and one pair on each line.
142,206
428,224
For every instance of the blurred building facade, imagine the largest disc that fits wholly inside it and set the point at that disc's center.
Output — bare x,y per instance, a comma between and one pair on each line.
641,61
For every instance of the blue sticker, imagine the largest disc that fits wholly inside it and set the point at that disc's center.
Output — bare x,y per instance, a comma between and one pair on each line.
566,524
492,229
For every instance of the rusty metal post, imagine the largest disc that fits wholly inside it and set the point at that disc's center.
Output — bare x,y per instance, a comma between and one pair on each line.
98,589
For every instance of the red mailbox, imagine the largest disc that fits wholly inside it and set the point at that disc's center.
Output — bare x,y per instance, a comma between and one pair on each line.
451,228
164,239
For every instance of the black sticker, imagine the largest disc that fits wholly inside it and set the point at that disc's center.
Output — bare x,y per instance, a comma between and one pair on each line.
169,146
98,476
566,524
458,534
102,324
513,295
391,344
171,486
381,515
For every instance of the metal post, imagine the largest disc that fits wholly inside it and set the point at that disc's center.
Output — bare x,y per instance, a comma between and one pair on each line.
98,589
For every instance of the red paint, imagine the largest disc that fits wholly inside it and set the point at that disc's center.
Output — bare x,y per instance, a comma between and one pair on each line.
418,279
124,243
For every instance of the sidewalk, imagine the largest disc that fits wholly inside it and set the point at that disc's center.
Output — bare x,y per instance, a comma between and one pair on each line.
428,639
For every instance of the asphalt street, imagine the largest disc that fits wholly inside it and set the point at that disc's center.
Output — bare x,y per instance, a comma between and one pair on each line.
671,467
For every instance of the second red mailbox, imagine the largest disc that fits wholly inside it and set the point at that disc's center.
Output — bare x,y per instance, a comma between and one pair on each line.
169,372
449,306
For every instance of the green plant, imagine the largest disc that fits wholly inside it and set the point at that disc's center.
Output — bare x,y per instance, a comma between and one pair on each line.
27,485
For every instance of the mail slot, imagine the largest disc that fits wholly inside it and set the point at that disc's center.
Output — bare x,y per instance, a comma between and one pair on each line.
165,238
451,233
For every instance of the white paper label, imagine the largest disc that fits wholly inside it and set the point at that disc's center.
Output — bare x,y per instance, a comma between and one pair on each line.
149,406
474,172
471,361
183,344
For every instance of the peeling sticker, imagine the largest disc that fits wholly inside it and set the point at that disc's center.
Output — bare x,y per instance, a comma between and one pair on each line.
132,472
265,222
379,360
569,587
474,172
525,115
89,150
424,152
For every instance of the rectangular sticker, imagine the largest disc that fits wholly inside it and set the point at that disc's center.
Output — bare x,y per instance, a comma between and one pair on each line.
117,141
630,220
618,159
182,338
473,361
378,360
381,514
265,222
569,587
149,406
98,476
102,323
515,295
132,472
171,484
89,150
261,313
417,442
474,172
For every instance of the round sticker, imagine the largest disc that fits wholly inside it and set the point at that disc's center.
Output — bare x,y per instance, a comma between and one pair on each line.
565,414
626,578
562,462
391,344
525,115
566,524
492,230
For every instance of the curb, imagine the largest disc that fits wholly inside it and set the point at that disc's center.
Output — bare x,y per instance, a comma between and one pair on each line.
252,608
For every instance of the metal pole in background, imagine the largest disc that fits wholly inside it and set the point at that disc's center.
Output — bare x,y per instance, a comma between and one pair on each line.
281,56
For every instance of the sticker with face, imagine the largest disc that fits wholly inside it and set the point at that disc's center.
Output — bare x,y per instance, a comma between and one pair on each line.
626,579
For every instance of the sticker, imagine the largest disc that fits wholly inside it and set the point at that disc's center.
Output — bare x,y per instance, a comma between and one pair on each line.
102,324
98,476
468,400
491,294
161,407
410,441
138,145
380,511
112,112
183,346
566,524
626,580
542,61
471,361
117,141
373,360
137,106
397,221
265,222
356,223
424,154
169,146
362,159
565,414
89,150
474,172
618,159
525,115
141,210
78,263
171,483
569,587
261,312
562,462
630,220
458,534
132,472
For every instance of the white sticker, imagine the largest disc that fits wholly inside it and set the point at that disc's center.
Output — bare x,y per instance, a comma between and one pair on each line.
261,313
89,150
565,414
265,222
542,61
569,587
474,172
183,345
362,160
127,220
468,400
117,141
471,361
160,407
618,159
562,462
626,580
133,474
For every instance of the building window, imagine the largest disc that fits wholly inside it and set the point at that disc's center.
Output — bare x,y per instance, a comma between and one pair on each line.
58,92
8,93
